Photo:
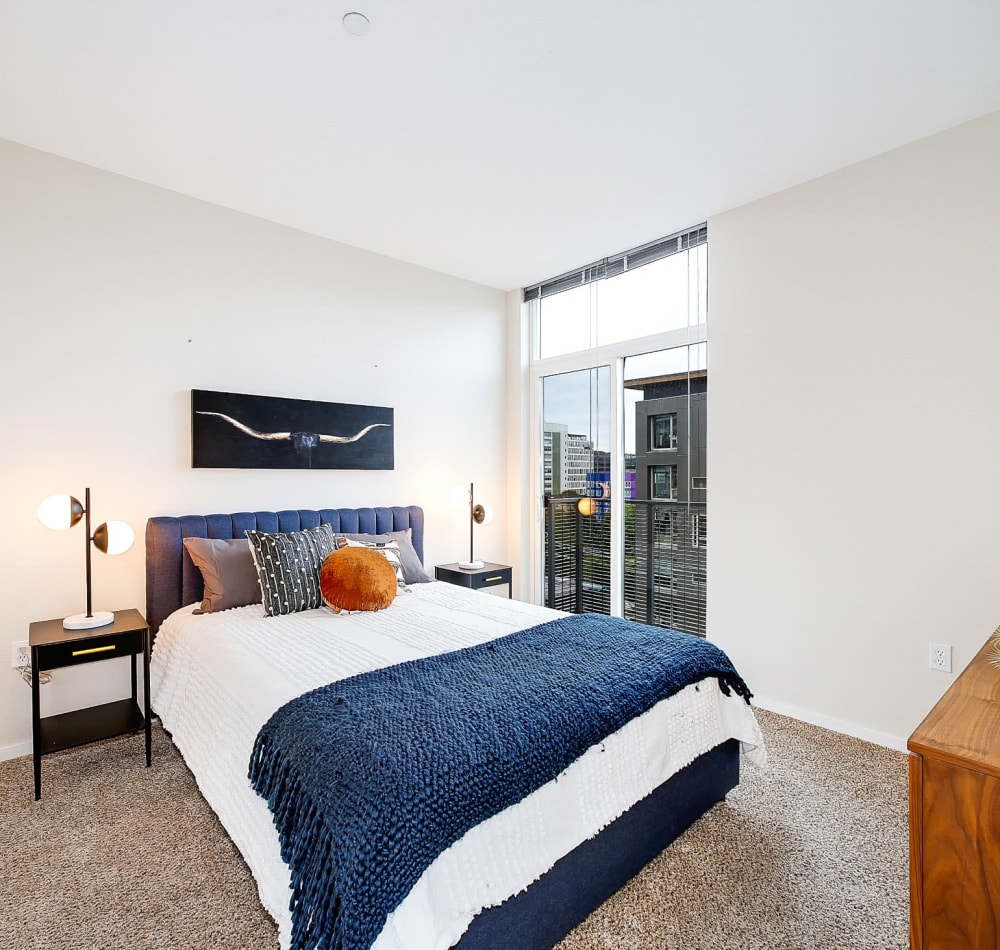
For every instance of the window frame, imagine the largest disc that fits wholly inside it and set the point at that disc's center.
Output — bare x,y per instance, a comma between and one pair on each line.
612,355
651,421
673,487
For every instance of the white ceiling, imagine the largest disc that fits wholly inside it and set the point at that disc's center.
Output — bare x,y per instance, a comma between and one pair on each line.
505,141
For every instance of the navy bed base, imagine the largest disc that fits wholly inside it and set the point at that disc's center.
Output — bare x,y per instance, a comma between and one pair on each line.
538,918
579,883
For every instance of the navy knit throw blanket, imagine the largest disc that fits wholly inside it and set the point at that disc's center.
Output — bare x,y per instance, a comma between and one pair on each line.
370,778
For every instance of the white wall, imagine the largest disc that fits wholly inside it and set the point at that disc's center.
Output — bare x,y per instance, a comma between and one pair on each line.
854,433
519,450
117,299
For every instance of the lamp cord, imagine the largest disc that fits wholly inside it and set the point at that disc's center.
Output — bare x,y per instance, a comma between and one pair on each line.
43,675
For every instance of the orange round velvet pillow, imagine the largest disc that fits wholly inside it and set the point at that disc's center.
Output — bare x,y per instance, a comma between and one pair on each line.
357,579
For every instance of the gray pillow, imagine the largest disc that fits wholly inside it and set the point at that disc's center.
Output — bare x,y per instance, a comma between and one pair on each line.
413,570
227,570
288,567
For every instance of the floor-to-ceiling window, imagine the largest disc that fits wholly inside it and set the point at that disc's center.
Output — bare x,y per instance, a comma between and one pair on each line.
619,376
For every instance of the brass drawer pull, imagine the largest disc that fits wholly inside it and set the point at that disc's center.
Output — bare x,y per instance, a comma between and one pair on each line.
495,577
110,646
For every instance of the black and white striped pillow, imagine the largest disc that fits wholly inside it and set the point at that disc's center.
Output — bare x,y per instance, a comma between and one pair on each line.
388,549
288,567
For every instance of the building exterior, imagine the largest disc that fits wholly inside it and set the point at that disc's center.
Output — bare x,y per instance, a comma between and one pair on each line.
670,426
666,585
567,459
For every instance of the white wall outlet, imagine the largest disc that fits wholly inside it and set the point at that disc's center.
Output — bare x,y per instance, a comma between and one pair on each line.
940,658
20,654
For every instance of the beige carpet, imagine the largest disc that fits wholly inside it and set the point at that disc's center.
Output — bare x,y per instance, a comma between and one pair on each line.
810,854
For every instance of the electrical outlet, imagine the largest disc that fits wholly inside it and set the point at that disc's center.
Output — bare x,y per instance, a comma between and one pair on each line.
940,658
20,654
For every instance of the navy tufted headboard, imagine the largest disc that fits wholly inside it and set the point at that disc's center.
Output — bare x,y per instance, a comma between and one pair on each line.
172,580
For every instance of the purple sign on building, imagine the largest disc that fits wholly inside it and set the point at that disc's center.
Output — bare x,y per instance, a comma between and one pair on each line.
599,485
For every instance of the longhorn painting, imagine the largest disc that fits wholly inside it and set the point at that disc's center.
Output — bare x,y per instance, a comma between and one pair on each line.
229,430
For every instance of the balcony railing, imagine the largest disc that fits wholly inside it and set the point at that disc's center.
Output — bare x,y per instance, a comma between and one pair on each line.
665,547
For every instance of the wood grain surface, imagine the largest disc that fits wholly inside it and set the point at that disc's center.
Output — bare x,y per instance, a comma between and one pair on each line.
955,816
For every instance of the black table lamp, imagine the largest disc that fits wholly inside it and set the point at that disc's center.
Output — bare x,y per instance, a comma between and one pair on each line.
478,514
111,537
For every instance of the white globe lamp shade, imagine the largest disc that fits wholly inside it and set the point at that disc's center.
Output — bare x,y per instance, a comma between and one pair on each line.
59,512
113,537
120,537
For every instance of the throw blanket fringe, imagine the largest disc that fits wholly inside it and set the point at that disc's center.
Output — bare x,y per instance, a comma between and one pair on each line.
370,778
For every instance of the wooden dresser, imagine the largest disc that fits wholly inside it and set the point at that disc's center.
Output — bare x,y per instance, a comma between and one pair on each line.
955,816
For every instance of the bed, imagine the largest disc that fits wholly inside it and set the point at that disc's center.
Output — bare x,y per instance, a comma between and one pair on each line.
525,877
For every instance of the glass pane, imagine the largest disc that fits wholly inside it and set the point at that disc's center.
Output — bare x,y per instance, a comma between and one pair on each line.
576,436
663,481
663,431
698,285
668,294
564,322
666,527
651,299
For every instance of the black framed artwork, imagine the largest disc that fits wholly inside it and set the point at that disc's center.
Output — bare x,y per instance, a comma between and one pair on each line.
234,430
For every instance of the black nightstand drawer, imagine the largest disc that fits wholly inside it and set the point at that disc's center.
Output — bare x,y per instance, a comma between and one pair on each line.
489,575
68,653
491,578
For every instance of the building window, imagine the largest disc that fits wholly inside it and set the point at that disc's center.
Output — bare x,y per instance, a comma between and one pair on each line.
699,530
663,431
663,482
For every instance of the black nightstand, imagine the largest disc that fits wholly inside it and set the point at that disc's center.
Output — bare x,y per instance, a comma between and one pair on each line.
53,647
489,575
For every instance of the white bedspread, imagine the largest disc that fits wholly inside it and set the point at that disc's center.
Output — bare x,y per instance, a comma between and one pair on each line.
217,678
